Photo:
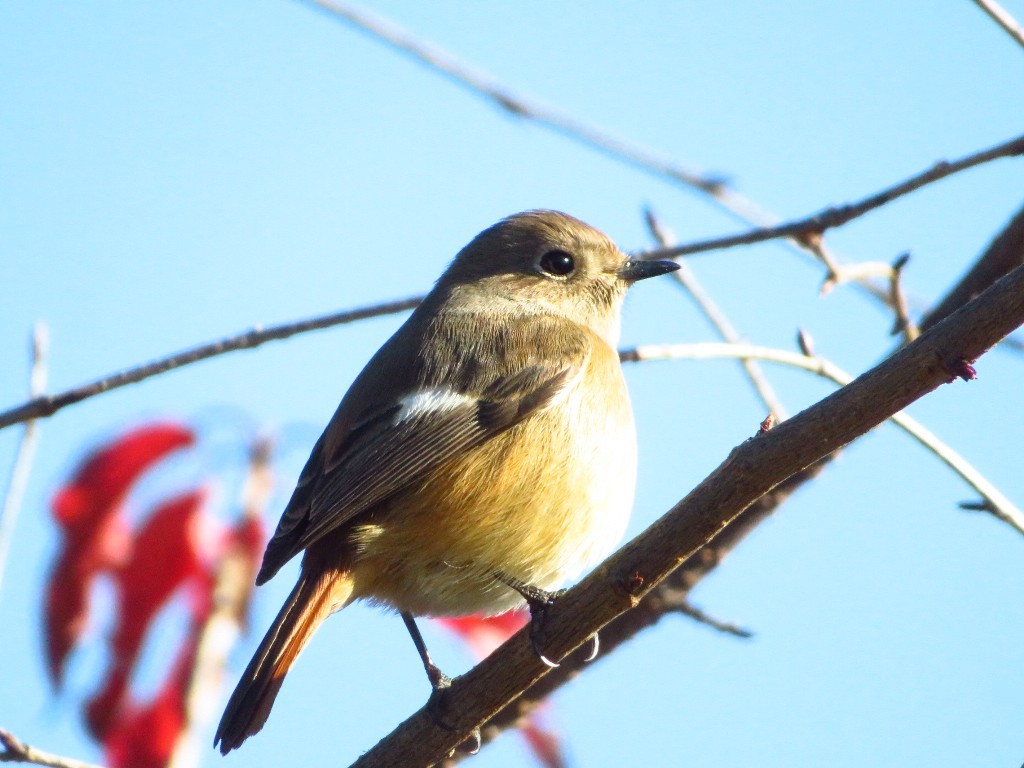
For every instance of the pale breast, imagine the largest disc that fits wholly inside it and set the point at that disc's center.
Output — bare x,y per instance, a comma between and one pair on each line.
591,521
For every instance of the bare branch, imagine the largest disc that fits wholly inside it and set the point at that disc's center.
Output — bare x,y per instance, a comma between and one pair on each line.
751,470
999,504
685,277
829,218
902,324
863,273
701,617
17,751
26,448
1001,17
41,407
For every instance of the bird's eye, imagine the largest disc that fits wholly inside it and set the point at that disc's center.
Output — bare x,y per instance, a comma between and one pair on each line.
557,263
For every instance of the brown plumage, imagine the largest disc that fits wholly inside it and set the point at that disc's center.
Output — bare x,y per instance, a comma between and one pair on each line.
489,441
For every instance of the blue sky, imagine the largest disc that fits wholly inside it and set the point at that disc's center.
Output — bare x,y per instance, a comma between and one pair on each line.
172,172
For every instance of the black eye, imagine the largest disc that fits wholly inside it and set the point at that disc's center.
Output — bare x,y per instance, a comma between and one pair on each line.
557,263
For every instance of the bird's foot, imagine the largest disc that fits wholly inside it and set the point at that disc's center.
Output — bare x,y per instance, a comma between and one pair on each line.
439,707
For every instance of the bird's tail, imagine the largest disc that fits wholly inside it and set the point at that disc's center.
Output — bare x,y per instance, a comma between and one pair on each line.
314,598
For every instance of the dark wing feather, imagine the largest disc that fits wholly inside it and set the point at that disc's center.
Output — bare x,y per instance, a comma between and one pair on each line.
381,456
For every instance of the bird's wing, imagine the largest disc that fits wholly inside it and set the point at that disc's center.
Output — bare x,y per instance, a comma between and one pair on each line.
391,448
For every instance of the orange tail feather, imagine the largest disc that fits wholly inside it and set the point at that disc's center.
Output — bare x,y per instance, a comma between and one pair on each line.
314,598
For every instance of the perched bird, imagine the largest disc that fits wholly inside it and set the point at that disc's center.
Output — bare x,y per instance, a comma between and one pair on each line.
485,455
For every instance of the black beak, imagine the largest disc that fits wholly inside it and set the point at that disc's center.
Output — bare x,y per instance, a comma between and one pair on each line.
634,270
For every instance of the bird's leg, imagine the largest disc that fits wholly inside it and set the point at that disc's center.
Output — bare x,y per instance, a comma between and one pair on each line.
437,705
539,600
438,679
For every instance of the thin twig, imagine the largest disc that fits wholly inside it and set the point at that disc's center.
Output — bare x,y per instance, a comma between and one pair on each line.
1001,17
17,751
975,506
1000,505
829,218
864,273
902,323
688,280
752,469
700,616
41,407
26,448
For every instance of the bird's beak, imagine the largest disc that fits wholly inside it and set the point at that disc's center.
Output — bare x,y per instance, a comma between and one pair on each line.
634,269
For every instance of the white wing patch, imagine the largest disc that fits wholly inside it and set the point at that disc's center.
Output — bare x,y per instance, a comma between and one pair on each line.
437,400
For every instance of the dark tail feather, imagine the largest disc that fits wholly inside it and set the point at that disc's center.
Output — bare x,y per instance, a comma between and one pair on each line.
312,600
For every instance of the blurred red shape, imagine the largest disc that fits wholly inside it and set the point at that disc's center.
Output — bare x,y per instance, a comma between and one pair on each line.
95,537
166,556
177,551
484,634
144,736
544,742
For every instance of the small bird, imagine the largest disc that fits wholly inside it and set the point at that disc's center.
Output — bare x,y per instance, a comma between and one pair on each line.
485,455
